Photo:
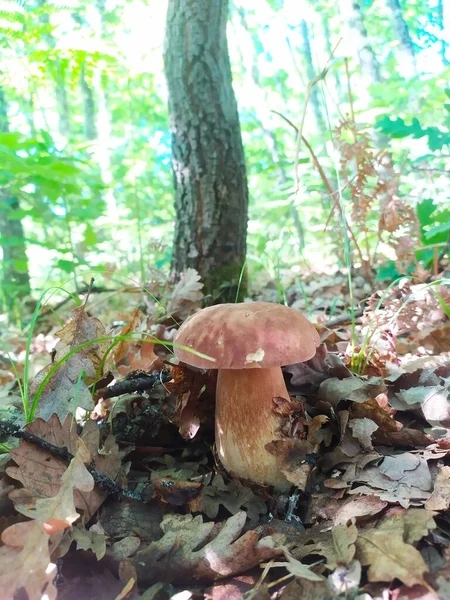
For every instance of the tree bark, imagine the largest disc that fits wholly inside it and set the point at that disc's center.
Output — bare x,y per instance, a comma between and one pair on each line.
406,58
15,278
211,196
353,17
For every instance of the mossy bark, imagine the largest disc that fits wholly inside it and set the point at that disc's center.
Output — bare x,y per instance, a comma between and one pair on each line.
211,196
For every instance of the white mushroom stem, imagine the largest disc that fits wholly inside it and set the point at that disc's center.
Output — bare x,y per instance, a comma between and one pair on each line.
246,422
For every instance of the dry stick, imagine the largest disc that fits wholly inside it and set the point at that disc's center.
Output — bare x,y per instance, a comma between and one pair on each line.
107,484
260,581
141,383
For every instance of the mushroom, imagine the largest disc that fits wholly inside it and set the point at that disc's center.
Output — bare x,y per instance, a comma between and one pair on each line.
249,343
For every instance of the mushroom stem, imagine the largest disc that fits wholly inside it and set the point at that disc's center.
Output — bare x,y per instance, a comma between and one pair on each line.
246,422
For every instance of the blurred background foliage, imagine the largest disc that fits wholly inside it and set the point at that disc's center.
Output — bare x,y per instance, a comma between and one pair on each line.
85,174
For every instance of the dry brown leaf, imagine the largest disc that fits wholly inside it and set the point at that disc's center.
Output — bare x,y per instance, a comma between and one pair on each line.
232,589
292,458
41,472
371,409
136,322
302,588
77,372
361,506
179,493
362,430
26,563
89,540
352,388
186,295
234,496
386,554
191,549
314,426
399,478
195,399
25,557
344,538
440,497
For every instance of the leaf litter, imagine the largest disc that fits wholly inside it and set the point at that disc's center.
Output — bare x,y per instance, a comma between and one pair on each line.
366,451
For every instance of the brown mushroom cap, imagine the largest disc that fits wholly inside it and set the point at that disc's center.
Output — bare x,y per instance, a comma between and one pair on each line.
247,335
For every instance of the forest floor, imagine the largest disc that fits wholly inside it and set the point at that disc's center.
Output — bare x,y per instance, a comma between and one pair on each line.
112,489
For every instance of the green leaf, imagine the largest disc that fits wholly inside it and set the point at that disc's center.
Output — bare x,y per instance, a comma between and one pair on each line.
90,236
397,128
442,228
47,138
424,210
66,265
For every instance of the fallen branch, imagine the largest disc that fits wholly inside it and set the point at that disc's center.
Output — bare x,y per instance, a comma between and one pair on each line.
107,484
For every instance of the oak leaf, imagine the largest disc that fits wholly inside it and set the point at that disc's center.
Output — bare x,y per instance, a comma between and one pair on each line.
388,556
68,388
440,497
25,557
191,549
41,473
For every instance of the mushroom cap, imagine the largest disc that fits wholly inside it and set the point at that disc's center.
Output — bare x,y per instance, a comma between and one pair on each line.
247,336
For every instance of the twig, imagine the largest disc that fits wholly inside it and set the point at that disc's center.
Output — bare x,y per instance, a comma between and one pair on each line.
139,383
107,484
344,318
91,288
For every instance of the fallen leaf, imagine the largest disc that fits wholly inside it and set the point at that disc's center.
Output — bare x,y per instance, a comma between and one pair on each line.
41,472
371,409
359,507
191,549
186,295
27,563
344,538
125,547
25,557
310,590
67,389
353,388
440,497
89,540
388,556
232,589
295,458
362,430
234,496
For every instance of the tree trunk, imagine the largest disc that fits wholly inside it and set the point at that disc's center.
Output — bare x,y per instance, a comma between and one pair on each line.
352,15
15,280
211,196
311,73
406,58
